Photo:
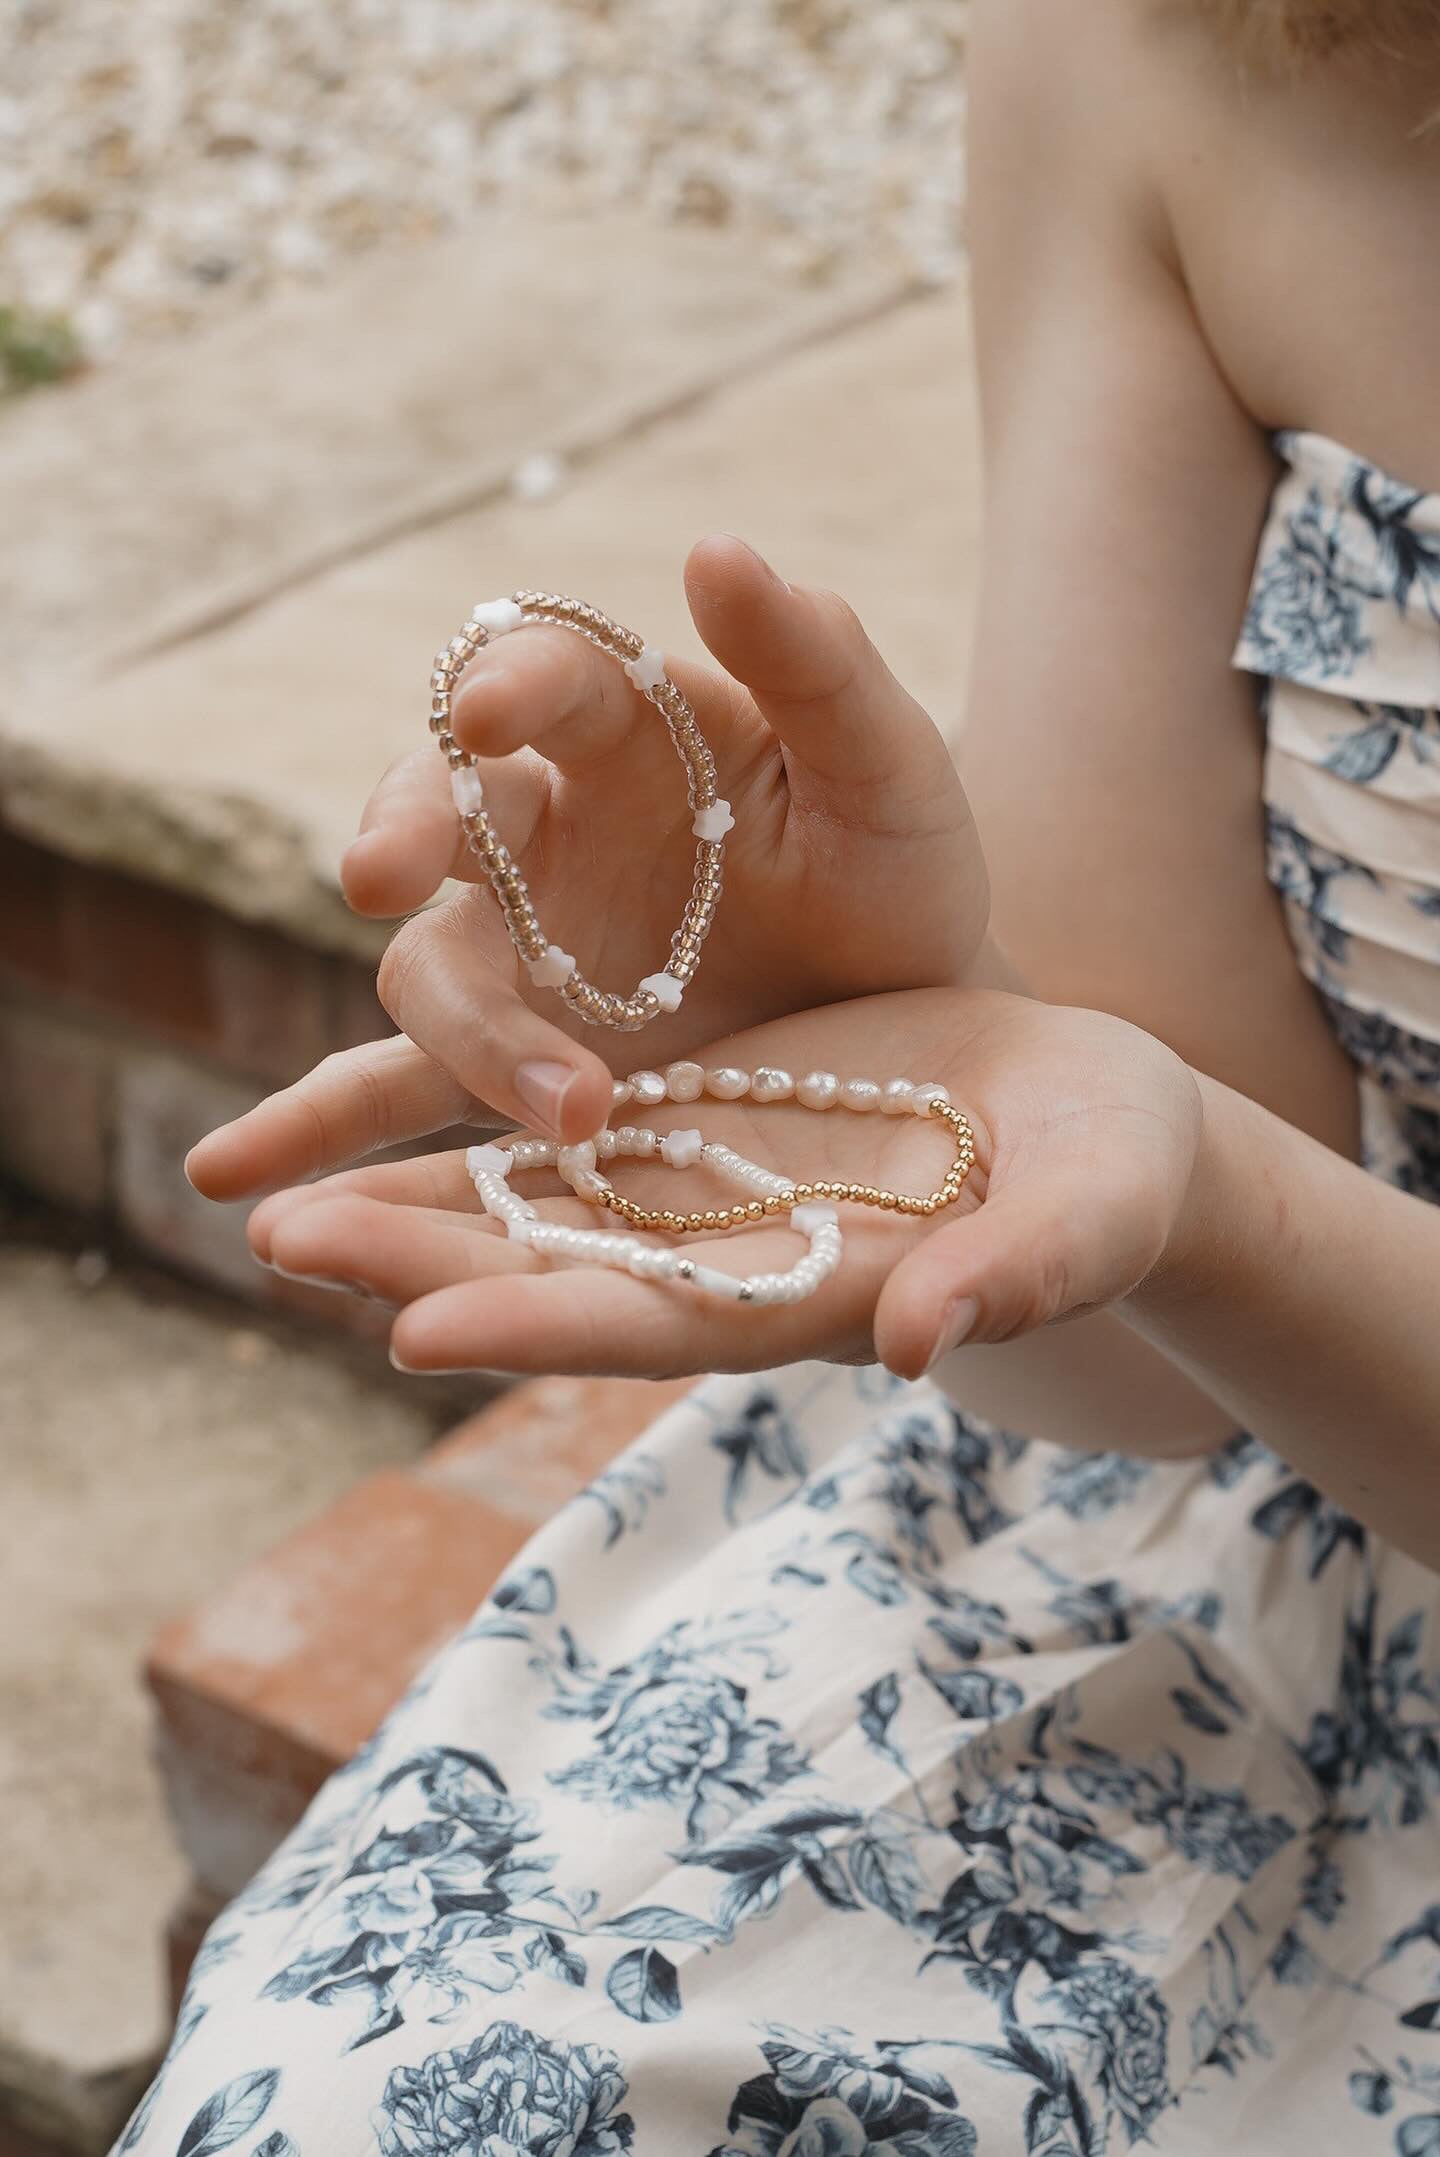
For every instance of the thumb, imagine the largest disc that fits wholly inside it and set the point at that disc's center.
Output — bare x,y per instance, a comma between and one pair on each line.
815,675
1051,1244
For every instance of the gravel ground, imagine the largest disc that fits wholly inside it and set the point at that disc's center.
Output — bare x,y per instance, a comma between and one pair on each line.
164,160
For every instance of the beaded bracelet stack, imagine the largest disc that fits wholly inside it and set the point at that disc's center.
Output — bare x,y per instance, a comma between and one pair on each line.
549,966
810,1207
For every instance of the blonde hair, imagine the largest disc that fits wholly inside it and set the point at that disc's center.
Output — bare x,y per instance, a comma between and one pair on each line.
1287,30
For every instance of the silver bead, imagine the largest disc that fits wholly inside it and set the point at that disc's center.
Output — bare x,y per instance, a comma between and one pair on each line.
818,1089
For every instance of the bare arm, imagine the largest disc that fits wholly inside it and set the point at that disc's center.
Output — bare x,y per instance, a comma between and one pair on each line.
1112,753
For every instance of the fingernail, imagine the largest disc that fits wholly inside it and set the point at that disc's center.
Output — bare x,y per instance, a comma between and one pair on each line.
956,1327
543,1087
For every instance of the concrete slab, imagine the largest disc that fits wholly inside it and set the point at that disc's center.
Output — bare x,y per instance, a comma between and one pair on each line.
234,765
181,1444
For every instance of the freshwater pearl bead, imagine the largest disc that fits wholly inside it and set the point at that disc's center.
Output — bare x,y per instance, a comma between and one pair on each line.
573,1161
897,1099
685,1082
770,1084
923,1097
818,1089
620,1093
605,1145
859,1093
727,1083
648,1088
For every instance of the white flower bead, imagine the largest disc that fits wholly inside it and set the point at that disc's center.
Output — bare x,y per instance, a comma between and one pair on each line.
488,1161
817,1214
714,822
859,1093
682,1149
467,790
648,671
666,990
924,1095
685,1082
897,1097
573,1161
647,1088
727,1083
818,1089
497,617
770,1084
553,969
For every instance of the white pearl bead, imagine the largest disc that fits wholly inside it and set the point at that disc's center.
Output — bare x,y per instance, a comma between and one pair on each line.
771,1084
924,1095
818,1089
648,1088
897,1097
573,1161
605,1144
859,1093
635,1140
620,1093
727,1083
685,1082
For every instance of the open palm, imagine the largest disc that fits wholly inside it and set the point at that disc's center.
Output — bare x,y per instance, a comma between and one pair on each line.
853,866
1086,1132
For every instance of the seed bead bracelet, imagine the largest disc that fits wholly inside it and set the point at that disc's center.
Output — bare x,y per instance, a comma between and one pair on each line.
549,966
810,1206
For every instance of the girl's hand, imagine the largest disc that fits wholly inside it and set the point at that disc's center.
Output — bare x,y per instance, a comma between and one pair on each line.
853,866
1086,1133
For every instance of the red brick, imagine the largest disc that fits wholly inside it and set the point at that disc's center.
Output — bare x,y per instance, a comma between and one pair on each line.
139,952
279,1677
273,1001
534,1448
359,1014
55,1086
32,929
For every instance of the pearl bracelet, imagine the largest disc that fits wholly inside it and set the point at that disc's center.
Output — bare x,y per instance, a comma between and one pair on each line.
811,1207
549,966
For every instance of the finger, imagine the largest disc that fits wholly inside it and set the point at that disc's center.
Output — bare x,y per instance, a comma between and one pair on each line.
448,979
817,678
1046,1247
410,837
553,691
352,1104
589,1322
430,1181
396,1253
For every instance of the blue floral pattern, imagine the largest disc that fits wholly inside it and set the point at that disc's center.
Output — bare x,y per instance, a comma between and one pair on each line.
840,1776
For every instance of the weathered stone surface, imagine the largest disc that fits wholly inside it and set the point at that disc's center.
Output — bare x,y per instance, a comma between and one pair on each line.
233,765
181,1444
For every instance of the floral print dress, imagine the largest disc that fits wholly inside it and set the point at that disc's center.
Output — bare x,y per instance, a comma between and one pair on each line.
840,1776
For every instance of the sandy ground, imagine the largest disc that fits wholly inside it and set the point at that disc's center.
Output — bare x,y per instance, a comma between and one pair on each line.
162,163
184,1440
